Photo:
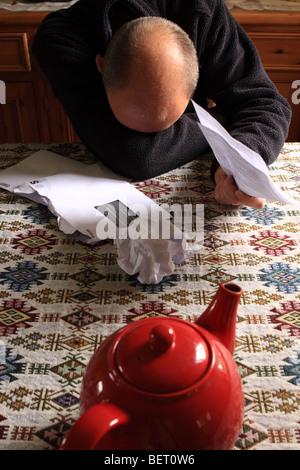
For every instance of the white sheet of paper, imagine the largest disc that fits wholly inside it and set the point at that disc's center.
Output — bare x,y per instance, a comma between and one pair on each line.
40,164
247,167
72,190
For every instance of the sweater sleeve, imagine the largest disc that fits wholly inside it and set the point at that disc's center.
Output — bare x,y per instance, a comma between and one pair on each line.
233,76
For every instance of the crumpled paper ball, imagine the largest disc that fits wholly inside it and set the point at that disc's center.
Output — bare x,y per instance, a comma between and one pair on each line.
153,259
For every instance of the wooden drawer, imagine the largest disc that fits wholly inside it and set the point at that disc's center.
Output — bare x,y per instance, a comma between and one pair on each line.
278,51
14,52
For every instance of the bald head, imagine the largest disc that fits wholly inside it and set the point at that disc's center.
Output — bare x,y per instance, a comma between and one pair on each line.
149,72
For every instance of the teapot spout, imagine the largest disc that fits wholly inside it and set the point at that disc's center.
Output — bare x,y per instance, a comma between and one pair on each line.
220,316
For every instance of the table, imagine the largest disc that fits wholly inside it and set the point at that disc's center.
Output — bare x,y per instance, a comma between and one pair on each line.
59,299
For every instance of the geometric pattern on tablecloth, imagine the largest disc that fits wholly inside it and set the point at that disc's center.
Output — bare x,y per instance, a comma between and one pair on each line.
59,299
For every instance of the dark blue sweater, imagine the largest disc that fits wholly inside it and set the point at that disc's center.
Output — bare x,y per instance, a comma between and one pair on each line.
231,74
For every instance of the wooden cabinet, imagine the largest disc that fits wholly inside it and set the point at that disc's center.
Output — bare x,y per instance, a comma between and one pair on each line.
276,36
32,113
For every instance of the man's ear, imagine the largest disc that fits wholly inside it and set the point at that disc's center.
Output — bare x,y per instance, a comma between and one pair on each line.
99,62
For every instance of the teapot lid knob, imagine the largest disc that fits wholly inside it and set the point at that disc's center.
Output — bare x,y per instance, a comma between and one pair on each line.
162,338
162,355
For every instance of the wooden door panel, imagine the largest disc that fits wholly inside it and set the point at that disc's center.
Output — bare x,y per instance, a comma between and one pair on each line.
18,117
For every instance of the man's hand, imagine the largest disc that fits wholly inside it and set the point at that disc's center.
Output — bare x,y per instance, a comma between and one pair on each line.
227,192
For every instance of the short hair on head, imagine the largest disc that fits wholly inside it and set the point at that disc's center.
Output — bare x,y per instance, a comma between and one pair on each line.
125,46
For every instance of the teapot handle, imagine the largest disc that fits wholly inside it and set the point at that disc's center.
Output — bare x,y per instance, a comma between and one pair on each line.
93,425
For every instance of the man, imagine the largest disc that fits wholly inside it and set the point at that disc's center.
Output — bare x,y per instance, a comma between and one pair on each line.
143,124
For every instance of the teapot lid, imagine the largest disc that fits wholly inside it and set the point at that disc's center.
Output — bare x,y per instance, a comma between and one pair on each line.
162,356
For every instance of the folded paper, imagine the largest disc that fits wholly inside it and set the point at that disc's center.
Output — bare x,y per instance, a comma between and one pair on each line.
247,167
83,198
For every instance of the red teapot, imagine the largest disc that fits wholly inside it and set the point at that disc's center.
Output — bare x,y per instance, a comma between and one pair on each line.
164,384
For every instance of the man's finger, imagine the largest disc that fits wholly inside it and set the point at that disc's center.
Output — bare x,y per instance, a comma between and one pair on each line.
251,201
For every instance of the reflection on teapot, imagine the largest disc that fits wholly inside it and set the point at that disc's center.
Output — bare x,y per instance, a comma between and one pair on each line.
165,384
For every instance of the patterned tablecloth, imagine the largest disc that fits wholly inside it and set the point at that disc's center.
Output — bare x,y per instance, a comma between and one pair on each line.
60,298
